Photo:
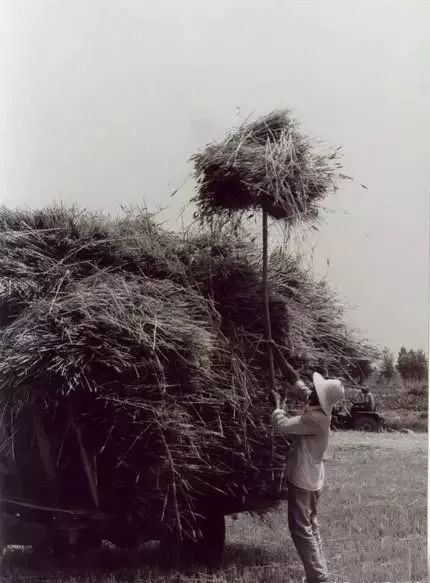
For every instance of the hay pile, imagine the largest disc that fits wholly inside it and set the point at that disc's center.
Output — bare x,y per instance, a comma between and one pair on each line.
266,164
151,343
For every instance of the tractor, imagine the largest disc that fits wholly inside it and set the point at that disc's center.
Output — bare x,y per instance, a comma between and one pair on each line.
357,418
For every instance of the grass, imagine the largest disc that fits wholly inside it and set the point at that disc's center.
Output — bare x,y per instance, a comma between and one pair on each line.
399,419
372,514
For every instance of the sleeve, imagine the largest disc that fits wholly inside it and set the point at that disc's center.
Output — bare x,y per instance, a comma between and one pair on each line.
301,391
298,425
290,373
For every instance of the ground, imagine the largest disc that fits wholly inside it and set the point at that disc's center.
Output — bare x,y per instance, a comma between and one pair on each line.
373,518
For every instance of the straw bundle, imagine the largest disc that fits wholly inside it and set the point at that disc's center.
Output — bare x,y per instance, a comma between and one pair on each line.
308,318
106,325
267,164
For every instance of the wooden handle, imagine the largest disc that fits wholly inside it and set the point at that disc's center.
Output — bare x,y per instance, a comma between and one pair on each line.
266,303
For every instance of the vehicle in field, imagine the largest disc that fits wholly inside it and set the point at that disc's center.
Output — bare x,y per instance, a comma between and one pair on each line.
357,418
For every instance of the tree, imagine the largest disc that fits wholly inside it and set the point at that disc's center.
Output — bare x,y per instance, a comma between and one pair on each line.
387,366
421,365
412,364
402,364
361,370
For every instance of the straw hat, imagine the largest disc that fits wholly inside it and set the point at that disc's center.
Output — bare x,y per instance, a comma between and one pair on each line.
329,392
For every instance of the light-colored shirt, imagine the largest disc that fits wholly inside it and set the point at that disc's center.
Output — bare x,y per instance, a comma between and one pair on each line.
311,430
370,401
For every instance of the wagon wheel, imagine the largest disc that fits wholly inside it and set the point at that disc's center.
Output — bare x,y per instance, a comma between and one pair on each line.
90,538
123,534
75,541
210,548
207,550
366,423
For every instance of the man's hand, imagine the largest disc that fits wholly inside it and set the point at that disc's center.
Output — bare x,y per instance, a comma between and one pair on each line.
286,367
279,402
301,391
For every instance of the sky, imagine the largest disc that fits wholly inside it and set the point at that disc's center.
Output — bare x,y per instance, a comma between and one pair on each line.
104,102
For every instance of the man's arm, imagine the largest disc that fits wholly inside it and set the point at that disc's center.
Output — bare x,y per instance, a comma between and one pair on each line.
290,373
297,425
301,390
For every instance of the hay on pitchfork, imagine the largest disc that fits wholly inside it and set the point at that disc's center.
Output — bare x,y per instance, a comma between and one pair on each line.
269,165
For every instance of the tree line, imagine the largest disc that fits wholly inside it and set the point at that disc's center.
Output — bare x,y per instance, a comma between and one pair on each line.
412,365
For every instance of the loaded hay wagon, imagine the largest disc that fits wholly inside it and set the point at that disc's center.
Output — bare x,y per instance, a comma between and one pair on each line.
126,405
134,378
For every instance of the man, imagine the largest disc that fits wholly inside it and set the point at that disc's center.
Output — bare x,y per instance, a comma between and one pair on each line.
368,399
305,470
367,402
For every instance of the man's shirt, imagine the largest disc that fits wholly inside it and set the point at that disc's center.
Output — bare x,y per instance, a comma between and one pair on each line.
370,401
311,430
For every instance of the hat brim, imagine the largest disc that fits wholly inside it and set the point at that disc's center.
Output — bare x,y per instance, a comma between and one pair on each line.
318,380
320,386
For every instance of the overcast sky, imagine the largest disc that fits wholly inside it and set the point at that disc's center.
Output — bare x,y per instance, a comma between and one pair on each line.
103,102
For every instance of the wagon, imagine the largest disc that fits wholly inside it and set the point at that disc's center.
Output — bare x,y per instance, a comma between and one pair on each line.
31,512
71,531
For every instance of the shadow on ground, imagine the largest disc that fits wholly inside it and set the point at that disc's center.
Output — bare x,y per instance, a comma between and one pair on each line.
23,564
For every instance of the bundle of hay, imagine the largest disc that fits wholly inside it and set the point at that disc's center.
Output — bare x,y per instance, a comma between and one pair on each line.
308,318
104,326
266,164
141,351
